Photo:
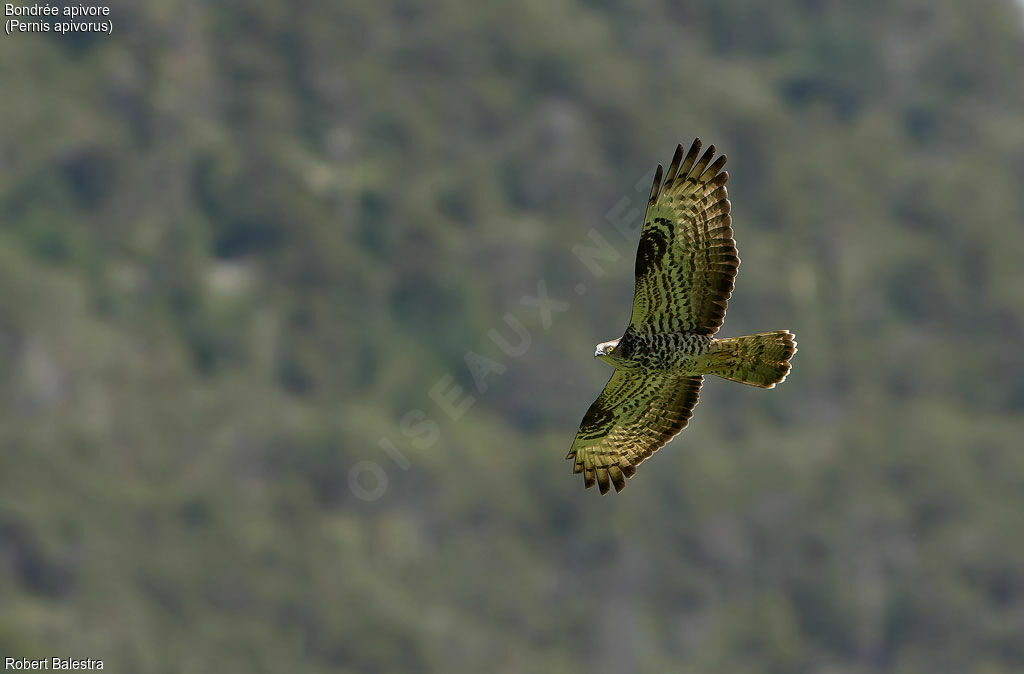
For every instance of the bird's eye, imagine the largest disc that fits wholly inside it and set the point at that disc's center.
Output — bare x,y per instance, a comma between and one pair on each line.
610,348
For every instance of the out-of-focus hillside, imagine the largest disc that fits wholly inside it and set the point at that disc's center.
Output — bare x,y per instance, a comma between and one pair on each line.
240,243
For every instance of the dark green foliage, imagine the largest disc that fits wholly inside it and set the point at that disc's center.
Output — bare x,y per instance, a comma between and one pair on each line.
240,243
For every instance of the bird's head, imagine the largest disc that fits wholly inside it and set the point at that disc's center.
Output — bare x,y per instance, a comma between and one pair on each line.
606,351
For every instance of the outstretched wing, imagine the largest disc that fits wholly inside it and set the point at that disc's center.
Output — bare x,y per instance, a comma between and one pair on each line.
686,260
636,414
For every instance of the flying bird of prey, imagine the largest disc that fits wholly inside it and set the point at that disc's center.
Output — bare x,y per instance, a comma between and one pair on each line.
685,266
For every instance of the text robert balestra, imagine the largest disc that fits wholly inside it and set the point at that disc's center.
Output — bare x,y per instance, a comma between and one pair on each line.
54,663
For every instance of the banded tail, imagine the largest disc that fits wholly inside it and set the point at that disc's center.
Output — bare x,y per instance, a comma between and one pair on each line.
759,360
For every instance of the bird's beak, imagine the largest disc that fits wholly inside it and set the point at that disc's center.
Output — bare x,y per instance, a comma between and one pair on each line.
597,353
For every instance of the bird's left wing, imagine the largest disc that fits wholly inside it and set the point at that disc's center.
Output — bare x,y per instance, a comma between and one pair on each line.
686,261
637,413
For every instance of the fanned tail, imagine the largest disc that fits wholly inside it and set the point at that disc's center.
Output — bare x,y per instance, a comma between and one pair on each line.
759,360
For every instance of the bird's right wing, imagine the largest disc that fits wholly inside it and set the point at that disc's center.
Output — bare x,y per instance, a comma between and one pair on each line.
686,260
636,414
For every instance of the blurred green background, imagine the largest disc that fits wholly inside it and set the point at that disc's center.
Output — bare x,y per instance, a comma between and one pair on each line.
240,242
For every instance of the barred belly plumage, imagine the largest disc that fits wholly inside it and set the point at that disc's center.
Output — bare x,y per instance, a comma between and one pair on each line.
678,352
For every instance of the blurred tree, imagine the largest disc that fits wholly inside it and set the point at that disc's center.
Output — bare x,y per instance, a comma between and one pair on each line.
241,242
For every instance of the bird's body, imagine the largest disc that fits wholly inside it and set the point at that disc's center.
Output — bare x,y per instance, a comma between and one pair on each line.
677,352
685,266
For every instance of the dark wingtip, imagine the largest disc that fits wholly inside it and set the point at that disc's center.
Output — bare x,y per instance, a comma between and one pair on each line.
618,479
673,166
714,169
691,157
655,188
702,163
